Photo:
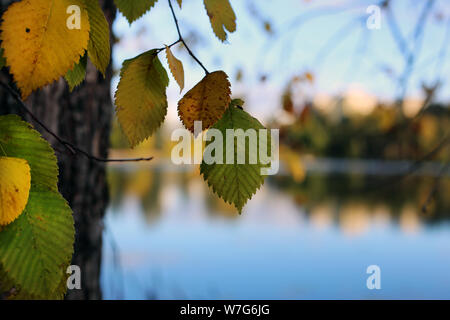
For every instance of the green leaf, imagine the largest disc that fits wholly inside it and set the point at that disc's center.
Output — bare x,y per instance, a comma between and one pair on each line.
236,183
222,17
36,249
76,76
134,9
99,49
18,140
141,96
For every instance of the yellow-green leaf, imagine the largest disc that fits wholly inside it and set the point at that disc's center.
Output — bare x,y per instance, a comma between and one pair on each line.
36,249
141,99
99,49
39,45
134,9
222,17
15,183
206,102
176,68
19,140
236,182
76,76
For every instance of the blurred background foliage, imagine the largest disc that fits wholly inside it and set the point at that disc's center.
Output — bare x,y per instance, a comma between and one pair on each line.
364,150
406,120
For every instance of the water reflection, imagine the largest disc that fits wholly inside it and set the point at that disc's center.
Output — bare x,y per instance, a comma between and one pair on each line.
314,239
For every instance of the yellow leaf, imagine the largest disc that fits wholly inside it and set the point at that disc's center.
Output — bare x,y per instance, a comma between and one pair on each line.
38,44
294,163
206,102
141,96
309,76
180,2
99,50
222,17
176,67
15,183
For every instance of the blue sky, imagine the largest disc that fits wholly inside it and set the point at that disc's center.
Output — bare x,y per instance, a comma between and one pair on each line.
359,57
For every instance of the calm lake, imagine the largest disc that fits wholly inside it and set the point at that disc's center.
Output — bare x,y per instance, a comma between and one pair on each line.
168,237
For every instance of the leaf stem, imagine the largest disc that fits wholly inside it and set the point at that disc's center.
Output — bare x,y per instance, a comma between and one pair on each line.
181,39
170,46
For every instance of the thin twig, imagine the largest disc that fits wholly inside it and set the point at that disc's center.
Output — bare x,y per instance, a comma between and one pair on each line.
340,35
170,46
434,189
16,96
440,61
289,32
412,168
182,39
396,32
68,145
412,54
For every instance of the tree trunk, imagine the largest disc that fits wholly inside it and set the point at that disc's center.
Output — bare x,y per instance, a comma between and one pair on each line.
82,117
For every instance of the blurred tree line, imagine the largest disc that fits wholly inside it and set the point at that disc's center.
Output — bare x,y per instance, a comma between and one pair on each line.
378,135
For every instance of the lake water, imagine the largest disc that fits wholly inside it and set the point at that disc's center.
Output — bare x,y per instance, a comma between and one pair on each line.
168,237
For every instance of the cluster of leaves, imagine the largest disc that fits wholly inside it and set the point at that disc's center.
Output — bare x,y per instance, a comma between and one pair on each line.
220,13
36,224
38,46
142,103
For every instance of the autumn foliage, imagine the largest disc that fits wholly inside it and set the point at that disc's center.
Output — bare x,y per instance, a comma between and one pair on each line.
43,40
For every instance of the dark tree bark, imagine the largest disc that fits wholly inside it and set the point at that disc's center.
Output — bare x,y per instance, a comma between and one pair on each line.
82,117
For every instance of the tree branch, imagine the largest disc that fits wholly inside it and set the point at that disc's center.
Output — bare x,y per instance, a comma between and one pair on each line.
339,36
396,32
416,165
434,190
411,55
68,145
181,39
170,46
